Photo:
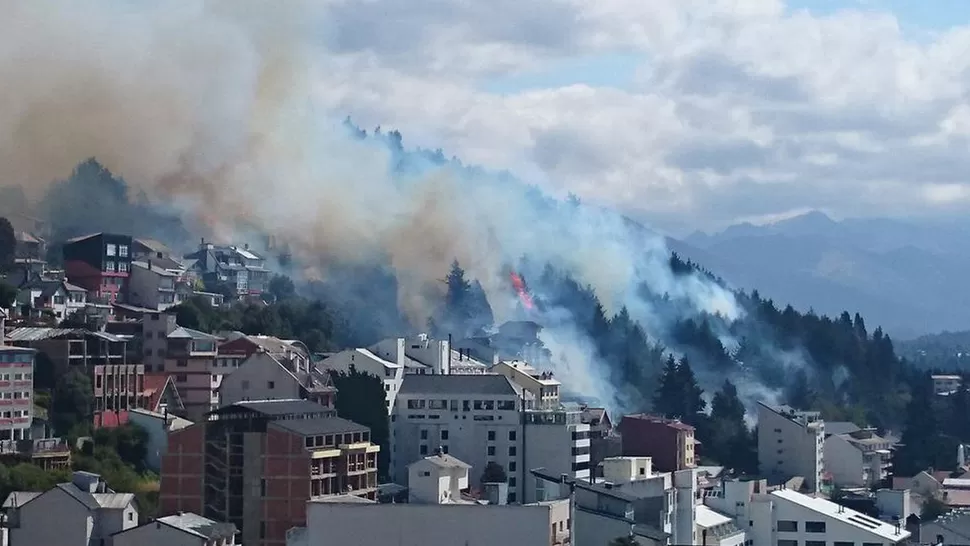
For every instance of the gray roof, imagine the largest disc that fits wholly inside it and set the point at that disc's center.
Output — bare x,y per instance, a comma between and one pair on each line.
113,501
187,333
200,526
154,268
85,498
320,425
20,498
490,384
344,499
840,427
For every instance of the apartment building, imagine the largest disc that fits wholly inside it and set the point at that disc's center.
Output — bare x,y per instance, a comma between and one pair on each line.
782,517
421,354
179,529
50,299
668,442
860,458
791,443
16,392
100,263
241,267
542,385
190,357
255,465
945,384
438,514
102,356
483,419
151,286
263,377
82,512
365,361
155,329
238,347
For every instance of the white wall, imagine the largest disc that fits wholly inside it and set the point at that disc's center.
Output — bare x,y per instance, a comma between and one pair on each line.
53,519
253,378
801,448
157,534
429,525
844,461
550,446
363,360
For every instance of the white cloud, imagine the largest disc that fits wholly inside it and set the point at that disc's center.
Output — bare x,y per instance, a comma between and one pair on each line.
742,108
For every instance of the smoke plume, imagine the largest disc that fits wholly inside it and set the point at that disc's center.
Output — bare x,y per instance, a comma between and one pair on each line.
207,107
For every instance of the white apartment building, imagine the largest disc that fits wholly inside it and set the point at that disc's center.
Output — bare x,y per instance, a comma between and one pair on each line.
782,517
16,393
422,355
857,459
791,443
437,515
543,386
391,372
945,384
481,419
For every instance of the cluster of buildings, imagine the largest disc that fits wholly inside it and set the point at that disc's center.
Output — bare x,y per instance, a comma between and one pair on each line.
482,449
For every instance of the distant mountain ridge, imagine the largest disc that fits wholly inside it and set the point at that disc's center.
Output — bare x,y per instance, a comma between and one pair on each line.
908,276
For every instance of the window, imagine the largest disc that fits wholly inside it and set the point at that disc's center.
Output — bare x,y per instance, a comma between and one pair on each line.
454,405
123,251
182,363
271,384
181,378
131,516
511,435
511,481
491,436
424,434
871,544
154,316
423,450
814,543
512,497
262,488
444,434
511,466
262,529
110,250
843,543
109,266
787,543
122,267
511,451
814,526
465,405
444,448
787,526
491,451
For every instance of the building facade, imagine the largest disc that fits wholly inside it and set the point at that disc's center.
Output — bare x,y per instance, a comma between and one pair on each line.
240,267
255,465
16,392
190,358
945,384
53,300
263,377
100,263
365,361
791,443
669,442
857,459
178,530
151,286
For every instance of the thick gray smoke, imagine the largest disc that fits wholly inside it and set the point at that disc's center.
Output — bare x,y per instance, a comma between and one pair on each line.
207,106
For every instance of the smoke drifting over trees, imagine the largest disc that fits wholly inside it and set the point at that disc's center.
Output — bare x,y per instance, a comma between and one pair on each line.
201,118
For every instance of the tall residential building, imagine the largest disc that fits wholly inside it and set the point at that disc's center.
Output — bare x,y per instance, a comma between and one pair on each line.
256,464
483,419
100,263
860,458
16,392
542,385
151,286
241,267
155,328
365,361
668,442
791,443
190,357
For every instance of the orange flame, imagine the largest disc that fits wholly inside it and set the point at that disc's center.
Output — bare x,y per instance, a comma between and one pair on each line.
519,286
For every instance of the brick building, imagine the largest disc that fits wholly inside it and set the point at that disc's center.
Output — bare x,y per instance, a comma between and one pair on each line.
668,442
255,465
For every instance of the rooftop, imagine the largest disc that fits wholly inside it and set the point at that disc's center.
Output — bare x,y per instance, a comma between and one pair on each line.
672,423
32,333
313,426
444,460
488,384
707,518
188,333
832,510
154,268
840,427
200,526
277,408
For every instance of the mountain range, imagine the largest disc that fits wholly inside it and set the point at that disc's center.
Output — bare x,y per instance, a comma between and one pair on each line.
910,276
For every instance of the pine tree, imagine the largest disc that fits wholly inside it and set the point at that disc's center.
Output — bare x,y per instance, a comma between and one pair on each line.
668,398
692,399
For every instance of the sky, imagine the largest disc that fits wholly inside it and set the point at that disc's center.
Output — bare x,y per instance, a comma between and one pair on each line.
689,114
